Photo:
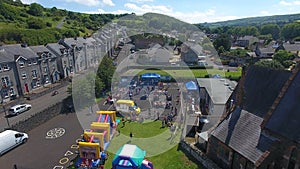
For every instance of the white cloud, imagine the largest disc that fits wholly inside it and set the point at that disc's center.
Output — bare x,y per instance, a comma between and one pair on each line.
86,2
190,17
265,13
292,3
28,1
147,8
108,2
140,1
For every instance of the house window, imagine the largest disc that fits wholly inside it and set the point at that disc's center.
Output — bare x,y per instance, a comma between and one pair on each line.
46,79
44,55
5,94
24,76
11,91
45,69
34,73
224,153
21,63
5,67
5,81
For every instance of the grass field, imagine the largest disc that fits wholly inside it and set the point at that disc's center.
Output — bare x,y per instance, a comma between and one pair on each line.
149,136
188,73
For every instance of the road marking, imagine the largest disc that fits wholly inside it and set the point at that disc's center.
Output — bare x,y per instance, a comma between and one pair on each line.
55,133
78,140
58,167
63,161
68,153
74,146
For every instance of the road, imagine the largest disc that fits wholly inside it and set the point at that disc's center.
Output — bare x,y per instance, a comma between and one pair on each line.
44,151
38,105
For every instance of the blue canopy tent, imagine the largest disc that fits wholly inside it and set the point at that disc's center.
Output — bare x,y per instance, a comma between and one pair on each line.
150,75
191,85
150,78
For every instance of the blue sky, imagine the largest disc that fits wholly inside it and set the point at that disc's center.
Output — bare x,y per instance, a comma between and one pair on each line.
191,11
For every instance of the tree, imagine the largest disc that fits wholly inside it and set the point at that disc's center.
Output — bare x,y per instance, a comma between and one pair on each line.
284,57
222,40
272,29
35,23
35,9
106,71
273,64
290,31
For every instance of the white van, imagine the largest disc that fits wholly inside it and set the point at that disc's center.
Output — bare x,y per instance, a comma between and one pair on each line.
9,139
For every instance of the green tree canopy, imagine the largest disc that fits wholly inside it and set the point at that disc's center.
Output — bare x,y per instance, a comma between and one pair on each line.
284,57
290,31
222,40
273,64
36,9
272,29
106,71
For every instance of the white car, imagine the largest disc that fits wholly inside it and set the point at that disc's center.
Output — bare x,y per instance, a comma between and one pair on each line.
20,108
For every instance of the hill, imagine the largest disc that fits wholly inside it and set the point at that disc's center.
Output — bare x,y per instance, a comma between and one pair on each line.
256,21
37,25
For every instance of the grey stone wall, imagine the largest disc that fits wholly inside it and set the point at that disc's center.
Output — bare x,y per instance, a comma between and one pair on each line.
198,155
43,116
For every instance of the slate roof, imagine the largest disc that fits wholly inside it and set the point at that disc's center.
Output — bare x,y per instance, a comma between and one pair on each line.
285,120
4,57
242,132
291,47
39,49
261,88
55,48
17,50
241,129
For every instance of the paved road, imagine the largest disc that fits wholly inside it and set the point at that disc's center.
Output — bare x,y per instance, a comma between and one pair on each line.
38,105
46,153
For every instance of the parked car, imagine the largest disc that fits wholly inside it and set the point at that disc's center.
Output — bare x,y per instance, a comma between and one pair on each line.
9,139
20,108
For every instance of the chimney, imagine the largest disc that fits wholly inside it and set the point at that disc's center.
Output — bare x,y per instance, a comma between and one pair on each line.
24,45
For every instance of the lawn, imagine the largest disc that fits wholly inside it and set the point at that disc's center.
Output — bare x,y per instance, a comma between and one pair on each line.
160,149
188,73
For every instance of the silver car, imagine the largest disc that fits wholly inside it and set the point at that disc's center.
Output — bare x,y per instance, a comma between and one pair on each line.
20,108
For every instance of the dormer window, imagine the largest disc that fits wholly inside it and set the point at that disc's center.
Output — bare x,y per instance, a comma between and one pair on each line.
21,63
34,62
5,67
29,62
44,55
0,68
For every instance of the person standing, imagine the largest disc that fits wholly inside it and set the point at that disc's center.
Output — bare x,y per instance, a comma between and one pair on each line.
130,135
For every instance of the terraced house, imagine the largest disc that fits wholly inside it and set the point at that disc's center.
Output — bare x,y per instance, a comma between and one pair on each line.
27,67
8,74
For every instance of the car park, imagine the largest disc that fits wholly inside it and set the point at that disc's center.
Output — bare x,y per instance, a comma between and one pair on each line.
18,109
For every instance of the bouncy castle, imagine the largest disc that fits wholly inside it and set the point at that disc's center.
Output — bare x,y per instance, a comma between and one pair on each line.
131,157
92,147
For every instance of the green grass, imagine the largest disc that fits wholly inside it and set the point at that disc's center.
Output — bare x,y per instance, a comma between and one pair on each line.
142,130
162,152
188,73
